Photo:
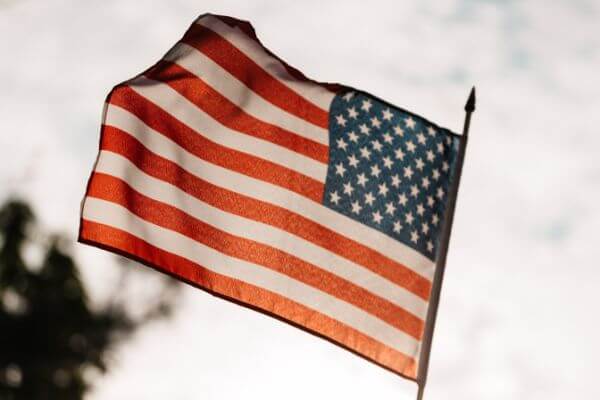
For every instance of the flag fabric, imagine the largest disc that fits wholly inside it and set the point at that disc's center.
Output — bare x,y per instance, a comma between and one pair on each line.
314,203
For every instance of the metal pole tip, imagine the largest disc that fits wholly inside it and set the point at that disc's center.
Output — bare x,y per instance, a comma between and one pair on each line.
470,106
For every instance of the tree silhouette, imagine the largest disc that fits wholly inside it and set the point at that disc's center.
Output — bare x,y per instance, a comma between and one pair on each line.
50,336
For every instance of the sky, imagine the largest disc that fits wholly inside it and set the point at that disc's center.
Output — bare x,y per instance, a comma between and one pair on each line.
516,318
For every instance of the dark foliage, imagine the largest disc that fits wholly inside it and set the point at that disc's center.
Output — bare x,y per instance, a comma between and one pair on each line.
50,336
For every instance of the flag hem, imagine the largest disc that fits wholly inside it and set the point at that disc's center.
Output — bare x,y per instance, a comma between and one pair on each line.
146,263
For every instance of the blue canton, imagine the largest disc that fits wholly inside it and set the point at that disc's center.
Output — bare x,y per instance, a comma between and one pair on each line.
389,169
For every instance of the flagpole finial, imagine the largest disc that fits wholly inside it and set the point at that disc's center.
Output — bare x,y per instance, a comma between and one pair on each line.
470,106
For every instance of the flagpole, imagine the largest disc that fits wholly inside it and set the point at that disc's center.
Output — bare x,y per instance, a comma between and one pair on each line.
441,261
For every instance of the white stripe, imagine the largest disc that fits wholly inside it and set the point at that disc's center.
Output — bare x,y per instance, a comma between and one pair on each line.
242,96
116,165
284,198
186,112
116,216
255,51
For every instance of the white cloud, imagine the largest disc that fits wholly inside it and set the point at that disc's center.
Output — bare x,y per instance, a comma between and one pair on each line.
516,319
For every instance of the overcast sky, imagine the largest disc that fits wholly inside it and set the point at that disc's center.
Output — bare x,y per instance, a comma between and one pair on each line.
518,316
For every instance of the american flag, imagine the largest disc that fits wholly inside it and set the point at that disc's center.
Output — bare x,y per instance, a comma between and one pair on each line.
315,203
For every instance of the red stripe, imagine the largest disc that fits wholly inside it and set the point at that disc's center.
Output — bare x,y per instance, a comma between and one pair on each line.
113,189
221,109
247,28
252,75
193,141
272,304
120,142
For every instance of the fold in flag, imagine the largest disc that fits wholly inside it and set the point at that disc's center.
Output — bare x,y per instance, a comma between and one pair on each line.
314,203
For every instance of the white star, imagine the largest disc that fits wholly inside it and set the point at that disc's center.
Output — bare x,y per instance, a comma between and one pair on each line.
431,131
341,143
362,179
395,181
364,129
425,182
388,138
369,198
397,227
390,208
348,96
348,189
408,172
341,120
377,145
399,154
409,122
353,136
411,146
366,105
414,236
402,199
398,130
420,164
356,207
365,153
430,201
445,166
383,189
435,219
375,122
409,218
377,217
414,191
375,171
440,193
353,161
339,169
420,208
352,113
429,246
387,115
440,148
421,138
436,174
430,155
335,198
424,228
387,162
